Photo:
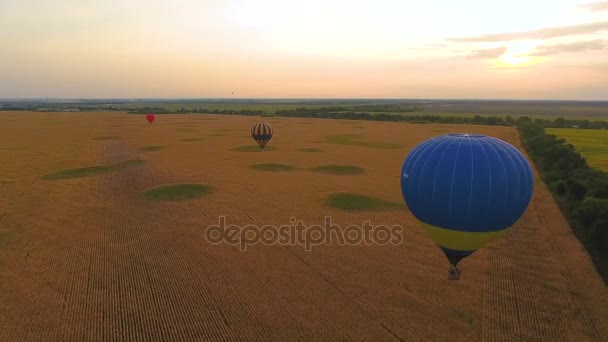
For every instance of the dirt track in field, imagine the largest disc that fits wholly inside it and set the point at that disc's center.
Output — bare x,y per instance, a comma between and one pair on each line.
87,259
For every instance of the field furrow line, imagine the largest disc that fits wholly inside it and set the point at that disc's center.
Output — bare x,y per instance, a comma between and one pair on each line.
171,217
156,290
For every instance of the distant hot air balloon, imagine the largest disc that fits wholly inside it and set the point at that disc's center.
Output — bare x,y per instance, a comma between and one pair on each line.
150,118
466,189
261,133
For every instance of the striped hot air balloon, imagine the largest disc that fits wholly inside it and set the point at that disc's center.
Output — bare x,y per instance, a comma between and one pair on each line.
466,189
261,133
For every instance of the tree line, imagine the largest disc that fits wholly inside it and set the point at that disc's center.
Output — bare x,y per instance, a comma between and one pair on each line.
161,110
347,113
493,120
580,191
380,112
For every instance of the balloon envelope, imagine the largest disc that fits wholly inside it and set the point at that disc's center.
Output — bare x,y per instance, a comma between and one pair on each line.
466,189
261,133
150,118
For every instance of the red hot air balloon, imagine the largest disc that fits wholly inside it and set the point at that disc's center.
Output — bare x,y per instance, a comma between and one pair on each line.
150,118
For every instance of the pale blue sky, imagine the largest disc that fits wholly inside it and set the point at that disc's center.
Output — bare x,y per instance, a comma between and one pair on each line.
315,48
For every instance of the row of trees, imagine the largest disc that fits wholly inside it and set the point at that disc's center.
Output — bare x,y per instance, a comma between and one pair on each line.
580,191
339,113
160,110
380,112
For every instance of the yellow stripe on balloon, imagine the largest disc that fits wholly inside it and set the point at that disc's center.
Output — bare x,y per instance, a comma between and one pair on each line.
460,241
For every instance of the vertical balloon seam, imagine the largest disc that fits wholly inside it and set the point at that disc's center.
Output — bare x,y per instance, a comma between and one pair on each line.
522,177
485,153
409,164
525,167
521,161
498,156
468,220
507,178
422,148
437,169
454,176
435,144
516,162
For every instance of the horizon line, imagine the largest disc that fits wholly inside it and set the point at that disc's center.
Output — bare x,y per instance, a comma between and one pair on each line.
298,98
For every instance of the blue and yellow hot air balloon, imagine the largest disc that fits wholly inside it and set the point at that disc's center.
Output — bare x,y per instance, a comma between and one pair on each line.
466,189
261,133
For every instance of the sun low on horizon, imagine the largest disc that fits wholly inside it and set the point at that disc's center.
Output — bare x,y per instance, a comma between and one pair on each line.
324,49
517,53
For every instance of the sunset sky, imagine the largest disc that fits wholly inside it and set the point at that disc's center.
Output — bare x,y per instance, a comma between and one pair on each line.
519,49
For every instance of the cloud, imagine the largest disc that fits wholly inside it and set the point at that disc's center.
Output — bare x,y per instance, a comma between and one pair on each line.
596,6
591,45
488,53
544,33
434,46
437,45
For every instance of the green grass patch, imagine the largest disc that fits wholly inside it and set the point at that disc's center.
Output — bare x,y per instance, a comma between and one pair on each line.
272,167
252,148
176,192
91,170
354,140
310,149
591,143
191,139
106,138
357,202
152,148
339,169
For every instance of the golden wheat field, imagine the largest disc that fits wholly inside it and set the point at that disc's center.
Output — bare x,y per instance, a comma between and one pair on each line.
90,258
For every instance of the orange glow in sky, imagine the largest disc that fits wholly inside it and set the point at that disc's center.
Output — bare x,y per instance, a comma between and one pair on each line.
318,48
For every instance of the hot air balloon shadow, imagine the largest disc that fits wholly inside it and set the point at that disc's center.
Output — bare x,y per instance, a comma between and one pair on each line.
466,190
261,133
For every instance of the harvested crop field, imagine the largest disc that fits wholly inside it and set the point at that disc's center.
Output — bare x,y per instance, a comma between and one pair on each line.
91,258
